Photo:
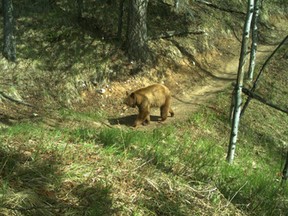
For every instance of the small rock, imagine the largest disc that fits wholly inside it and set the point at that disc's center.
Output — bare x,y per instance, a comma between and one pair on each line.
101,91
35,114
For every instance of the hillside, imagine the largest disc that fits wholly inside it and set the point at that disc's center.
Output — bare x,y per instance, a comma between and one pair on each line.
67,143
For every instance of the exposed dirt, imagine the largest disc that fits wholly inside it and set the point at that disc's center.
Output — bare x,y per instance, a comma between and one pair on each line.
193,81
216,69
188,99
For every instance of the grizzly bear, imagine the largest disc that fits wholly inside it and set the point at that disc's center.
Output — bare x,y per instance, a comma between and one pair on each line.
155,95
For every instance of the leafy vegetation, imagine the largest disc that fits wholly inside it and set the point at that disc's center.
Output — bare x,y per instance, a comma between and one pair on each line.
165,171
69,161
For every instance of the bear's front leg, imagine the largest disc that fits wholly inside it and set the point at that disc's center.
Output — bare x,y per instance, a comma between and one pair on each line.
143,117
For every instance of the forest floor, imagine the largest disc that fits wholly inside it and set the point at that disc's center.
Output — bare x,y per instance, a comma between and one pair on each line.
221,72
219,69
193,82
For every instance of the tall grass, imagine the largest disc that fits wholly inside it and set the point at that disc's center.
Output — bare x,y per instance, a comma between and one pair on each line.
76,168
162,171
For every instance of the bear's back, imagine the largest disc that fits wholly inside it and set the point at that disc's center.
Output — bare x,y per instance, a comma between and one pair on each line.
156,94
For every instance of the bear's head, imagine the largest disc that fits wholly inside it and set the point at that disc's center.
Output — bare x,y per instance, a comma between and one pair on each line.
130,100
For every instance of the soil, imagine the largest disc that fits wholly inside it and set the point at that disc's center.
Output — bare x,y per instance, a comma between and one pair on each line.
193,81
188,99
215,72
220,72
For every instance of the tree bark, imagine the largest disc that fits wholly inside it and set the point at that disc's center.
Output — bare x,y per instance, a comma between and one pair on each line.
251,94
9,45
239,84
254,41
137,30
176,4
79,9
120,19
285,169
260,73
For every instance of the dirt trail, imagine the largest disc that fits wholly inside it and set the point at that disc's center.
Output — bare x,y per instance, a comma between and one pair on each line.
220,71
219,80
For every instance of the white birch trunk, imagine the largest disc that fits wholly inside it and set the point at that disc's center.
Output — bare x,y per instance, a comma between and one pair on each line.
254,41
176,4
239,84
285,40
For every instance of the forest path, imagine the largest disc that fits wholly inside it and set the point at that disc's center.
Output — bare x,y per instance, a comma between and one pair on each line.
222,76
220,71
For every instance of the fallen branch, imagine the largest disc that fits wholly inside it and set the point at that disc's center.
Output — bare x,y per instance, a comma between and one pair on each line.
236,193
251,94
169,34
41,207
15,100
261,71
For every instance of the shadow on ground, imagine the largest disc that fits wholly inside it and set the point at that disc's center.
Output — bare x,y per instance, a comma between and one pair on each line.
36,187
129,120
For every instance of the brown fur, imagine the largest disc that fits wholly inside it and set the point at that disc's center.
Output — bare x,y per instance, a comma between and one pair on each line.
151,96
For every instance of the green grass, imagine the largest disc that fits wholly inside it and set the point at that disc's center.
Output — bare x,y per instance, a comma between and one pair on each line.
147,172
174,169
72,167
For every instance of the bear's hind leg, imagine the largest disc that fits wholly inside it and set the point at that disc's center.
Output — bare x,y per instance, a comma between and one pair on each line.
164,112
171,112
147,120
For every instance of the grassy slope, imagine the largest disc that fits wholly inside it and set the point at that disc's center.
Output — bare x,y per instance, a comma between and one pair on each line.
73,167
173,170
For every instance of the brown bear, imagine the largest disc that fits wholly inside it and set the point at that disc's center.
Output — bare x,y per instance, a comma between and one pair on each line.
155,95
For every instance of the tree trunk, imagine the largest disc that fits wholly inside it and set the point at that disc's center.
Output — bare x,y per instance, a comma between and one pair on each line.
137,30
176,4
79,9
239,84
120,19
254,41
260,73
9,45
285,169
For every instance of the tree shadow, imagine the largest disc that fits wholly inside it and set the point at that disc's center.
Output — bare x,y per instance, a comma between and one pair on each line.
266,141
162,204
165,16
193,60
94,200
13,114
129,120
32,186
6,120
62,44
28,179
59,39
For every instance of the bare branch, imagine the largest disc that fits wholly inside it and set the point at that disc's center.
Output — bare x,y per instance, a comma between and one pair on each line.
170,34
15,100
252,94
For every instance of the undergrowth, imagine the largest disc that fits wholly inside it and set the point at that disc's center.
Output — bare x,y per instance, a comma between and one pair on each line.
169,170
78,167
